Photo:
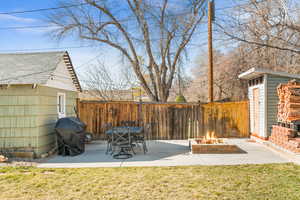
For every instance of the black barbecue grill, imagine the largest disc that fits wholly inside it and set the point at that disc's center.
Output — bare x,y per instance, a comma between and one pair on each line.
71,135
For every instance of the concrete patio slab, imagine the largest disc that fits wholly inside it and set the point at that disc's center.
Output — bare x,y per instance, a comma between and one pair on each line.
167,153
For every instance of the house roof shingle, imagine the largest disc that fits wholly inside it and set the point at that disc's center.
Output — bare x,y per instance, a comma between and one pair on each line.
33,68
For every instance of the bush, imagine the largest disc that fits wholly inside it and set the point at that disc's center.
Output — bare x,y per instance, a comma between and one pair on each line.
180,99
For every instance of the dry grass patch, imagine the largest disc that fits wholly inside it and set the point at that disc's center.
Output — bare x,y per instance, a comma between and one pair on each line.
273,181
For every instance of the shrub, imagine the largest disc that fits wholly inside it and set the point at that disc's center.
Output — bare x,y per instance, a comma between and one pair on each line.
180,99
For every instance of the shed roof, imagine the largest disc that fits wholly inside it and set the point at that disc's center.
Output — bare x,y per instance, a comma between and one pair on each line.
256,72
33,68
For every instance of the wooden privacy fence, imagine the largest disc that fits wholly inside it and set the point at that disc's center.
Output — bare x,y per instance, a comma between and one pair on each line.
169,120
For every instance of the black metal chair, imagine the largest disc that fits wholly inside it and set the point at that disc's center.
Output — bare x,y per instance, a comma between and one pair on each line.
128,123
106,127
141,138
123,141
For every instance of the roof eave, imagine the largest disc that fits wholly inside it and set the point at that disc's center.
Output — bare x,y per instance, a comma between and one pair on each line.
71,69
247,74
256,72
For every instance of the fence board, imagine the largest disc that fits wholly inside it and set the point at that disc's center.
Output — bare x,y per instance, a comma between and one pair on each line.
169,120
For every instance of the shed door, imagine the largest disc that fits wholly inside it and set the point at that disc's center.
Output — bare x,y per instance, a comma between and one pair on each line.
256,110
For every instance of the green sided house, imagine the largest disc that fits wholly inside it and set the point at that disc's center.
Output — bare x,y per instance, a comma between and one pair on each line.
35,90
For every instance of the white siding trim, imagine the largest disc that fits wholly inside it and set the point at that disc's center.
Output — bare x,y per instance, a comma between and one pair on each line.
63,112
261,108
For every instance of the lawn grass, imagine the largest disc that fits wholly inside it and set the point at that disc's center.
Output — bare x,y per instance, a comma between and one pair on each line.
272,181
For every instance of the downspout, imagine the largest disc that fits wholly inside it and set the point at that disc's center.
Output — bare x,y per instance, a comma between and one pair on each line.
266,106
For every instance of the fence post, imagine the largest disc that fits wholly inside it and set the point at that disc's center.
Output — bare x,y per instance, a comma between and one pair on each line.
139,112
197,134
189,128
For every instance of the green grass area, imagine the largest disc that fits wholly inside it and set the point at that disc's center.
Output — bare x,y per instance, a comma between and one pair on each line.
272,181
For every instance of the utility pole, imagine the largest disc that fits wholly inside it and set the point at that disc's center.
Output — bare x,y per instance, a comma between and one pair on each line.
140,93
210,52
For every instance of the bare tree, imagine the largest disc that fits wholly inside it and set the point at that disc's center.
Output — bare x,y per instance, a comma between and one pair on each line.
227,85
155,31
265,23
180,86
106,85
262,35
268,33
228,65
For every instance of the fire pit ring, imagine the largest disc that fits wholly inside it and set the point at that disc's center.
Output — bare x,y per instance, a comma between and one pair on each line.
210,144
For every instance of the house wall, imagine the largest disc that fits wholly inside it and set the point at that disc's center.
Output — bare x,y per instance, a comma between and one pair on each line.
48,115
272,99
27,117
18,121
61,78
261,88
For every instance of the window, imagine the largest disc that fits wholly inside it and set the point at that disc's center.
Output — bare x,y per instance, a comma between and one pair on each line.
61,105
256,81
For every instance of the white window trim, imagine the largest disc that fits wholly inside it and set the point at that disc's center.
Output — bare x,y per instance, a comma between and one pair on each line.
61,114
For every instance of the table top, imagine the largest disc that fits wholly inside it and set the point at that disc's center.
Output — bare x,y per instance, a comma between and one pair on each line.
125,129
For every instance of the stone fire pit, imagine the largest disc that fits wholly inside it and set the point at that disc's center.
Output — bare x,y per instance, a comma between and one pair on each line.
211,145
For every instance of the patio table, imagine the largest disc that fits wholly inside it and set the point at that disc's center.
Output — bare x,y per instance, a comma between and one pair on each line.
125,130
123,136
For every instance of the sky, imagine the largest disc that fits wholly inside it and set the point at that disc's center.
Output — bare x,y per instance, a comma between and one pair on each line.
26,40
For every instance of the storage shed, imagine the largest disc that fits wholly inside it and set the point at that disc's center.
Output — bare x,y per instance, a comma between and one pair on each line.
35,90
263,98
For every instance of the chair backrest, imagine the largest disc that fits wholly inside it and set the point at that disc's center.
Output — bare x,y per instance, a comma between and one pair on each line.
128,123
107,126
147,129
147,126
123,123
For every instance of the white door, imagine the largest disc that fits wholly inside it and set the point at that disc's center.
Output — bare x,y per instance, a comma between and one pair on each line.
256,111
61,105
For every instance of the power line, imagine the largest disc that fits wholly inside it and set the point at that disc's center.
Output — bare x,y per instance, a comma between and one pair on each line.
41,9
49,26
87,62
70,47
250,4
75,47
230,7
82,4
40,72
25,75
197,45
45,49
75,5
26,27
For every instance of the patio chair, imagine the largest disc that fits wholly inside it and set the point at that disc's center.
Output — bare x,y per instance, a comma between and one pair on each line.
141,138
128,123
106,127
123,142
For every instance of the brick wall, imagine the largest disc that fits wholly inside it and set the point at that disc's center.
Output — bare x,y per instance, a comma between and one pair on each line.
285,138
